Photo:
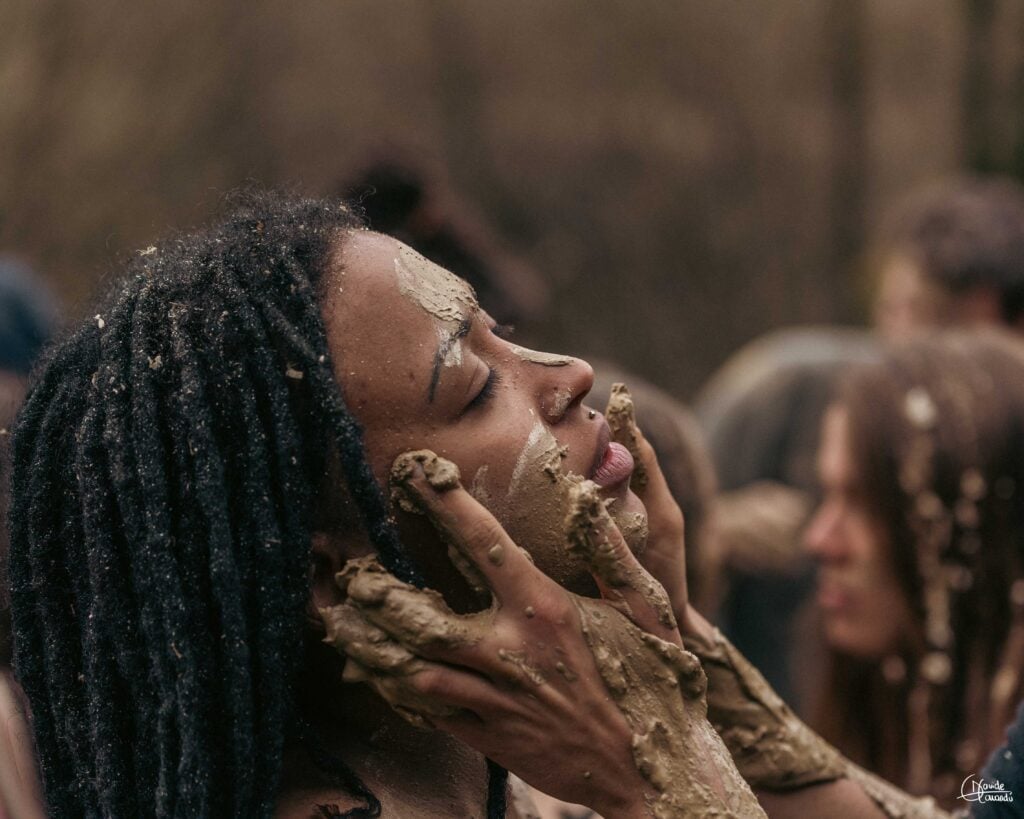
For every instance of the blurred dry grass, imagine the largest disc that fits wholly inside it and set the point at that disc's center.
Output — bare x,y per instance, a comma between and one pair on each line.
687,174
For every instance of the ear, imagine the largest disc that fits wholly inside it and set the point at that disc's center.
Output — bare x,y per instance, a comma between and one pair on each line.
326,561
328,555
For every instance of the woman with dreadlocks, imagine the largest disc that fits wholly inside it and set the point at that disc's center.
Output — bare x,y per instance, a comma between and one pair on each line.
194,466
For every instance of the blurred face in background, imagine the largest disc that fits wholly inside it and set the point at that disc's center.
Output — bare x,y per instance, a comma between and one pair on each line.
864,611
909,301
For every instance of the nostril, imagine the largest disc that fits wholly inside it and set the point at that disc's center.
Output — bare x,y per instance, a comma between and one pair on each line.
557,403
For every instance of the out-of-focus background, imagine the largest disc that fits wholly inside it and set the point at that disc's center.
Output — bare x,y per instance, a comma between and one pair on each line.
684,175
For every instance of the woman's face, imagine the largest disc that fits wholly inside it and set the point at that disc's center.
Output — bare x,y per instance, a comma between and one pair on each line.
422,368
864,610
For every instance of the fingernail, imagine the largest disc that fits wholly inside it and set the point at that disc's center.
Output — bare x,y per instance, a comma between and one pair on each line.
417,473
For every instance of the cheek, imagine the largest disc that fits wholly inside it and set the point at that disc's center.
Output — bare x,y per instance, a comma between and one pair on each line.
882,619
525,488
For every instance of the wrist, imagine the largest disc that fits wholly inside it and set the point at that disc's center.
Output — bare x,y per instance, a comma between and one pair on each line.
692,624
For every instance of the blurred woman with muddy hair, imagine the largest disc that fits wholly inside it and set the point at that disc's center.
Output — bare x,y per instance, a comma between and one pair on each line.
920,538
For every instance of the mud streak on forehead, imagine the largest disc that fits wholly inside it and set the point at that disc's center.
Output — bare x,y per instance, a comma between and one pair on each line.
443,295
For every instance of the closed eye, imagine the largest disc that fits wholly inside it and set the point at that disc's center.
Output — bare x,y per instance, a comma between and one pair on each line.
486,392
503,331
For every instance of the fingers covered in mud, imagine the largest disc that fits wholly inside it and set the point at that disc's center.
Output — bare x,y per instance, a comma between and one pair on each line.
665,553
418,689
425,483
623,582
621,415
648,480
388,627
417,618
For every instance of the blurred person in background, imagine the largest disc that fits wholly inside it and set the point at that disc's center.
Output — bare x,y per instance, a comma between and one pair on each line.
27,317
920,545
952,256
761,415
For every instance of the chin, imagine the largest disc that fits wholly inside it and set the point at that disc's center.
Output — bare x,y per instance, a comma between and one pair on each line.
540,529
855,640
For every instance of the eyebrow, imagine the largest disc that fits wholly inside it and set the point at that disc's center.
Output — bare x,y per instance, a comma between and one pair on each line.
443,349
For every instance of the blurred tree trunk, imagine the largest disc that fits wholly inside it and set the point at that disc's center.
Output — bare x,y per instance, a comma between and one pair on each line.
846,24
1016,163
979,16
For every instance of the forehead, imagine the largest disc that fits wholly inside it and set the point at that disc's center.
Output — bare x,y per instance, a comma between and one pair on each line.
385,309
372,267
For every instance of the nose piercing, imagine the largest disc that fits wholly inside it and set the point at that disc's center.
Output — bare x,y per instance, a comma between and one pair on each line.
591,415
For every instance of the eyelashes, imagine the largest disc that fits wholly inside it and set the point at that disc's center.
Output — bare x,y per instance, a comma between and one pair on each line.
486,392
504,332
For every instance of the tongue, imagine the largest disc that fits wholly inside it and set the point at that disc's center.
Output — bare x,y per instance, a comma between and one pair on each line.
615,467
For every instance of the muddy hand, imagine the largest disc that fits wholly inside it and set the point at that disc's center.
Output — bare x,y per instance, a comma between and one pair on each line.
665,554
547,684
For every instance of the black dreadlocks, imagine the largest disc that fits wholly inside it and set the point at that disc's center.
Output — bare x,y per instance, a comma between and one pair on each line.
166,463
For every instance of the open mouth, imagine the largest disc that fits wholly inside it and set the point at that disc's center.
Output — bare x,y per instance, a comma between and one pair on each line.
613,463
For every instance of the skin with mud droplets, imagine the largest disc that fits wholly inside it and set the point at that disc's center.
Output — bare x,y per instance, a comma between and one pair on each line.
659,688
771,747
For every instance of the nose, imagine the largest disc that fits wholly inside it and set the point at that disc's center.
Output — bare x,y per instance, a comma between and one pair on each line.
562,389
823,537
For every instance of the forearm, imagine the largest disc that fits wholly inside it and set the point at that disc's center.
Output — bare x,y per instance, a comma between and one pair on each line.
842,798
789,765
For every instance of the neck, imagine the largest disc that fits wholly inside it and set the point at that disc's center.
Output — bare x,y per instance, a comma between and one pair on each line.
413,772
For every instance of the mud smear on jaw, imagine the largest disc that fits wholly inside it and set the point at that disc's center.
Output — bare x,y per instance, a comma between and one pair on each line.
538,500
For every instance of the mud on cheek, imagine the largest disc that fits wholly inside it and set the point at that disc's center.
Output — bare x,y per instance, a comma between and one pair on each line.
536,505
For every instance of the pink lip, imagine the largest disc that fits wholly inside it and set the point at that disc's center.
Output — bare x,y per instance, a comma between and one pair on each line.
613,463
832,597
